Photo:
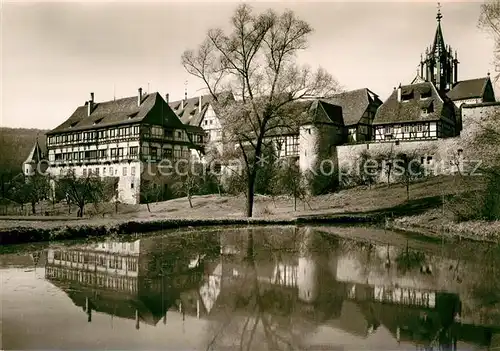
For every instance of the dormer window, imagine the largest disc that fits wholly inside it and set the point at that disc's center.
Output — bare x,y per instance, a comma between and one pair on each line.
97,121
425,94
407,96
428,109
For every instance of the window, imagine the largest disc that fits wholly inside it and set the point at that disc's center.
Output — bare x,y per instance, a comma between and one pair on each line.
388,130
97,171
104,171
110,171
133,150
167,153
406,129
419,127
179,135
406,96
114,152
102,153
75,156
136,130
169,134
157,132
206,122
132,185
154,152
124,171
426,94
132,170
177,153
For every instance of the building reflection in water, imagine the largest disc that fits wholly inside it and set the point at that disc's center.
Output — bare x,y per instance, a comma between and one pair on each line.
299,277
138,280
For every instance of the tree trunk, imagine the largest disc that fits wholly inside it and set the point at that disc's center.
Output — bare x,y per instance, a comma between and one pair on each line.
250,192
147,205
408,190
189,199
80,210
295,202
33,209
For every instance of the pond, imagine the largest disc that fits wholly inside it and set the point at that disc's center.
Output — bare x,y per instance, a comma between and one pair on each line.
279,288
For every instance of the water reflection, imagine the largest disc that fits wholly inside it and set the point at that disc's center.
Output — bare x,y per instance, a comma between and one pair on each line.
284,288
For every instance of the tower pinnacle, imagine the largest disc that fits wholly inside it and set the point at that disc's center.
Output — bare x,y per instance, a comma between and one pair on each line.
439,15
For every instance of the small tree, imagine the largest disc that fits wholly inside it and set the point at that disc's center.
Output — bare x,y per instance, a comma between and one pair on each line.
386,163
82,190
34,189
369,169
151,192
290,181
188,178
407,169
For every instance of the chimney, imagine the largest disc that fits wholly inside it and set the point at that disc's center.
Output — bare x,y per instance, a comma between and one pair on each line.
167,97
90,105
199,105
139,96
399,93
182,104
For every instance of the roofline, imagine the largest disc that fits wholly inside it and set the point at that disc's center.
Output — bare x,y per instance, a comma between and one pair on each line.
93,127
403,122
483,104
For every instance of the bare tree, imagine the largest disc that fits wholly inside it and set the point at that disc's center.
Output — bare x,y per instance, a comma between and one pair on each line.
188,179
83,190
257,58
489,20
408,168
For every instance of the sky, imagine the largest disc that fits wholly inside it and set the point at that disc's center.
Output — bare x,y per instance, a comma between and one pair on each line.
53,54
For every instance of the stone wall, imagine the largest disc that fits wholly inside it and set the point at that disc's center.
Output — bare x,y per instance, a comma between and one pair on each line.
443,156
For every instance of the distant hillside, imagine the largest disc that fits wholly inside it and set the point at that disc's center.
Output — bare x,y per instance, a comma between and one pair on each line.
15,145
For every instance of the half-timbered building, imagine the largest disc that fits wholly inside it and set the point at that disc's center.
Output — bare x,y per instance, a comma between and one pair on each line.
358,112
116,138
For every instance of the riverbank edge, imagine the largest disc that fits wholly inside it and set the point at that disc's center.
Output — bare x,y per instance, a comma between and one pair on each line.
433,235
76,230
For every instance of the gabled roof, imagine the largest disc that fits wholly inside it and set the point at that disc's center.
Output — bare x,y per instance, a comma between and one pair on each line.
354,104
394,111
302,112
417,79
37,153
153,109
469,89
189,111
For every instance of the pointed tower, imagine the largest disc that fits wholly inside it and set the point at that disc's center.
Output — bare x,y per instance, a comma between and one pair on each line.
32,161
439,65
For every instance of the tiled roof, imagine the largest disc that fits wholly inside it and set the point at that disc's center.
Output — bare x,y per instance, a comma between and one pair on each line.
468,89
354,104
189,111
153,109
306,112
394,111
36,154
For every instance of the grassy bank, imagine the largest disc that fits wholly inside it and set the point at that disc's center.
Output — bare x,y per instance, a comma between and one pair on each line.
378,204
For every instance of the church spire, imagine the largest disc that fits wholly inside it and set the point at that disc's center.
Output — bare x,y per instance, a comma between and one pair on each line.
438,44
439,63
